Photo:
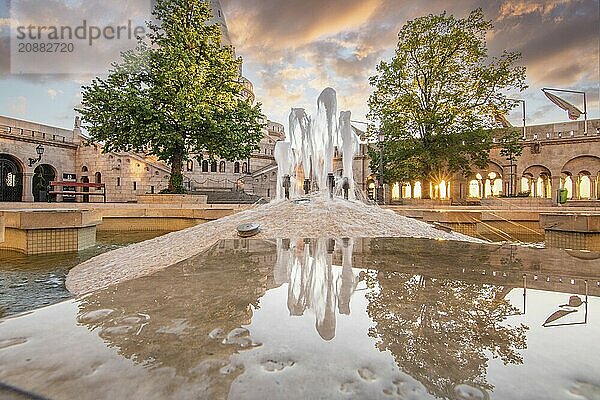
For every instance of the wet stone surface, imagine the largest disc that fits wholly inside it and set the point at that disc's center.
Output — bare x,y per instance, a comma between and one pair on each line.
333,319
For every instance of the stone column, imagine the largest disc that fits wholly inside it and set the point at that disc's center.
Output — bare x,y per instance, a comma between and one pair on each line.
28,187
593,187
577,183
555,180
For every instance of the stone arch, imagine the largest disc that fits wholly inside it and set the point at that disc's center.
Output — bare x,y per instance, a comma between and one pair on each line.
371,187
42,176
11,178
537,180
589,164
584,174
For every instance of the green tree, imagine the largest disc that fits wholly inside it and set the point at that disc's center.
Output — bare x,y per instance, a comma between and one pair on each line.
433,101
176,96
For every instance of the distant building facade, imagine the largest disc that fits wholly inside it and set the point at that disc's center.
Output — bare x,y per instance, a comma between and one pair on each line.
559,155
126,175
554,156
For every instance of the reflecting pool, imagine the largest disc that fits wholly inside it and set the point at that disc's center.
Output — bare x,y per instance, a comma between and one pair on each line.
30,282
324,319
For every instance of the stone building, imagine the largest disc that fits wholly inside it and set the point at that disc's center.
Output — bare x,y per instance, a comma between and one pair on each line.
67,157
555,156
559,155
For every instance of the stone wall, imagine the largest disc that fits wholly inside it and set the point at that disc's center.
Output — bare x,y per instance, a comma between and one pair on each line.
19,140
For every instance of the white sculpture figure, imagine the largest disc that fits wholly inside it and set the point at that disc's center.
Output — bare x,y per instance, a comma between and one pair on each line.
283,158
301,146
312,144
325,137
350,146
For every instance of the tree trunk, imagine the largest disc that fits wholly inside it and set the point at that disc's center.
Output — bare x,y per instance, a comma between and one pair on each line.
176,180
425,188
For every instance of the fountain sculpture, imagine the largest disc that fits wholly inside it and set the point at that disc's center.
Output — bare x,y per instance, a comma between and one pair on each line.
305,159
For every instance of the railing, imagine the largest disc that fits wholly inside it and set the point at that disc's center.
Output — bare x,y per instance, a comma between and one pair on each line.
76,185
33,134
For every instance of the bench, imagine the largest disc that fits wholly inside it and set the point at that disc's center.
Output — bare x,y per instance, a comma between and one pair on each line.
76,185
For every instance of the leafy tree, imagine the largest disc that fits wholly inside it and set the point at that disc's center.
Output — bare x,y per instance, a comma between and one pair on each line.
176,96
434,100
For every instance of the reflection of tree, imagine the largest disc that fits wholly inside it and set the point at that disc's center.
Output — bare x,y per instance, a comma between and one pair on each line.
442,331
166,319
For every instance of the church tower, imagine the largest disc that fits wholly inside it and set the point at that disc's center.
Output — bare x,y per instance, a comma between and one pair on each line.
219,18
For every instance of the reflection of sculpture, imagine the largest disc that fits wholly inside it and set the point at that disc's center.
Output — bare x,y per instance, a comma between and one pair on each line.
314,284
441,331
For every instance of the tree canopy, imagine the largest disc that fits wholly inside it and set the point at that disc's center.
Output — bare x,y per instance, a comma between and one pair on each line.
434,101
177,95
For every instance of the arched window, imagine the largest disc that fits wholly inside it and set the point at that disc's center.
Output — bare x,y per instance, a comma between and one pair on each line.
585,187
406,191
236,168
568,185
444,189
190,165
474,188
204,166
84,169
244,168
98,177
213,166
396,191
222,167
418,190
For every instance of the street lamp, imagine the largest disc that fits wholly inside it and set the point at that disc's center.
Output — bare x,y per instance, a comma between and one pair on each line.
512,182
40,152
381,188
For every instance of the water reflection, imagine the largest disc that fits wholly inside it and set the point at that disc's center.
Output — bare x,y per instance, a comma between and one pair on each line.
371,318
314,283
443,331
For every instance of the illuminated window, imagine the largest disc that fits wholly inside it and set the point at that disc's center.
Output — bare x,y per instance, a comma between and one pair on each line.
417,192
585,187
474,188
396,191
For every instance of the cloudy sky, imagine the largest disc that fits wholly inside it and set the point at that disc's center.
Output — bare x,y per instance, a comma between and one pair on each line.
292,49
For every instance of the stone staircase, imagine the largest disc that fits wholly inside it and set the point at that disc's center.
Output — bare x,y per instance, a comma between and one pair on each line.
230,197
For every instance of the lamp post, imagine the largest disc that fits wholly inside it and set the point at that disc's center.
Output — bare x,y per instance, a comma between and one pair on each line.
40,152
381,188
512,182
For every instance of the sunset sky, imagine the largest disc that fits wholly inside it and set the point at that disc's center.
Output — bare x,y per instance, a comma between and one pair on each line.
293,49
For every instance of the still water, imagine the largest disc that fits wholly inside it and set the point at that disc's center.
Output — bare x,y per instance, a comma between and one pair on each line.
325,319
30,282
